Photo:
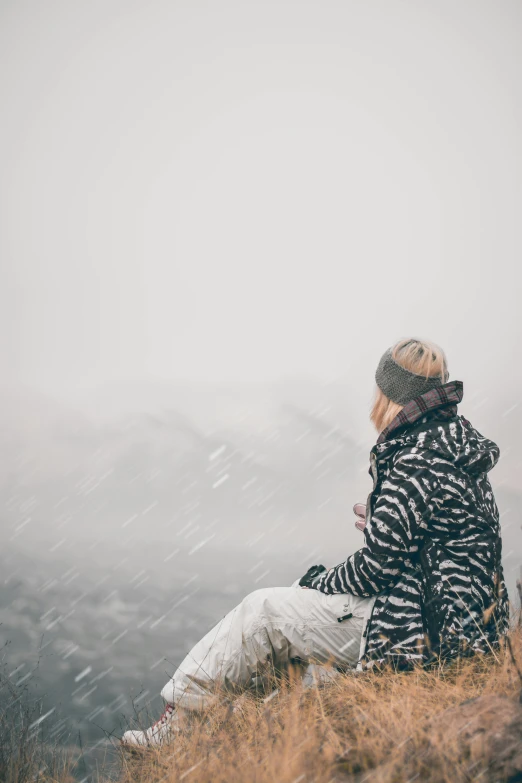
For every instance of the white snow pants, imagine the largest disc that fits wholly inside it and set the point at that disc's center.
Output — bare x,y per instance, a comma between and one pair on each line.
272,626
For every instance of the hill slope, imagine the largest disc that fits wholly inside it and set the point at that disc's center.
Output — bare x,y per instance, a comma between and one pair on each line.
464,724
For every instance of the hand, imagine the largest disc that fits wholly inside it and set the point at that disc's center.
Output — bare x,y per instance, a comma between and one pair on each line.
311,575
360,512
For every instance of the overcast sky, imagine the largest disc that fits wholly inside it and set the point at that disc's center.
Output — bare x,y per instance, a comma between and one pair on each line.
239,190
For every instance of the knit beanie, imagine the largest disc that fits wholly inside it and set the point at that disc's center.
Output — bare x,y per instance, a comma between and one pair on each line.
401,385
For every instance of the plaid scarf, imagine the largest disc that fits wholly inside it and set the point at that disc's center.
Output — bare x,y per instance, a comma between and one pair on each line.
443,399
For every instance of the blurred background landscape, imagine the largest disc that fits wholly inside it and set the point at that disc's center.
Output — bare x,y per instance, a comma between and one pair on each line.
125,538
214,218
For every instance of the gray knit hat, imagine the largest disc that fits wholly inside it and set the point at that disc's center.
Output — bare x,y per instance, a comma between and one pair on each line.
399,384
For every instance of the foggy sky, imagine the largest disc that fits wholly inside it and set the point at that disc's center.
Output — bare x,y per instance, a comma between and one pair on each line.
237,191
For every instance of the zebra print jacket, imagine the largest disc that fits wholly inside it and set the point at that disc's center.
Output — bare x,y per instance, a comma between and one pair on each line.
432,551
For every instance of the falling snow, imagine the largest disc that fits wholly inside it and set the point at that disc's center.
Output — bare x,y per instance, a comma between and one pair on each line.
117,558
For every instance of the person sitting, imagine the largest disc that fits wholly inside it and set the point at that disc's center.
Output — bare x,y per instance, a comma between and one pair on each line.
426,586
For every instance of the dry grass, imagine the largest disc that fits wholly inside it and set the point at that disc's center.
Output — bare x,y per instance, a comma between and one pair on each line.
381,727
27,754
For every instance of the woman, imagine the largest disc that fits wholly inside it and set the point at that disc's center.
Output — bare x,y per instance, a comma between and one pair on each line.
428,582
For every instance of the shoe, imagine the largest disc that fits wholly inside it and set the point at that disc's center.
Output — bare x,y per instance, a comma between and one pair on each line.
160,733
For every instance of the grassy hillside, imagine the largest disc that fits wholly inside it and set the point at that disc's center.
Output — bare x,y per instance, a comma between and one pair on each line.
375,727
463,723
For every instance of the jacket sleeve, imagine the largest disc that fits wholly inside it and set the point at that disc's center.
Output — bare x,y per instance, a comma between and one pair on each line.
392,534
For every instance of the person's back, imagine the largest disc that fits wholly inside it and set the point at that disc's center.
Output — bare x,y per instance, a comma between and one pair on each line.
432,551
455,580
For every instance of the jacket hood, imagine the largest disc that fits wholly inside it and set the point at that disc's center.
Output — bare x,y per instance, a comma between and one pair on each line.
455,440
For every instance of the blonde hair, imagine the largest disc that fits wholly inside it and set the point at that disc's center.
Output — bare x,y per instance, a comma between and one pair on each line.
418,356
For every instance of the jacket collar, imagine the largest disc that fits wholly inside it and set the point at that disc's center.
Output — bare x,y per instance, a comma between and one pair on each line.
443,399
